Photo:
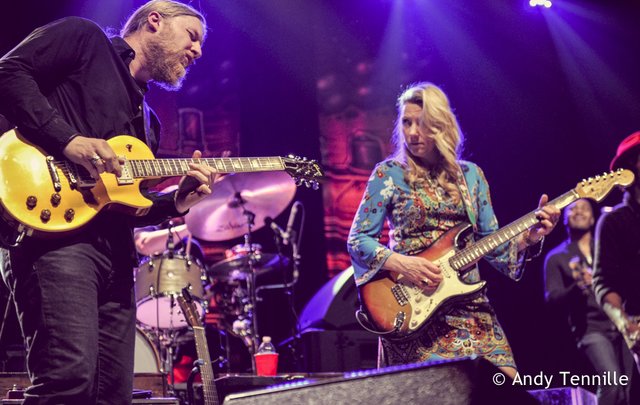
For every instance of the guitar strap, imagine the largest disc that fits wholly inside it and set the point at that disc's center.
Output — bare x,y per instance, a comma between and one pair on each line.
462,183
149,135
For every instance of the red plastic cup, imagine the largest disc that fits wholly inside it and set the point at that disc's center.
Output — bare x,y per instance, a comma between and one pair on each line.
266,364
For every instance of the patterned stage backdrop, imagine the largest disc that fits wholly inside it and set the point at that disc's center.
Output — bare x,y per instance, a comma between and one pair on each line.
355,134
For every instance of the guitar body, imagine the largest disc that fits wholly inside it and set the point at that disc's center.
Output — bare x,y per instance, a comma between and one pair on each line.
25,174
393,298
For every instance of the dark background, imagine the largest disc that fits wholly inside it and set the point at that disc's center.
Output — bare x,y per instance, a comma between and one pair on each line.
543,97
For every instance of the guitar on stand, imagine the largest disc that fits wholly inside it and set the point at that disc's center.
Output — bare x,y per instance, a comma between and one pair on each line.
192,316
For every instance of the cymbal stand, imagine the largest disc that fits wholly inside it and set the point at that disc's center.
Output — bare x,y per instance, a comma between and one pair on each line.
251,312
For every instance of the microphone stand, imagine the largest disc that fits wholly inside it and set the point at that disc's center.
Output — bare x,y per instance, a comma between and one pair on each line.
251,280
294,241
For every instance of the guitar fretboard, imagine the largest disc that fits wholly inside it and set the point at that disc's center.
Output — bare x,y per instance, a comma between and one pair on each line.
206,371
179,167
475,251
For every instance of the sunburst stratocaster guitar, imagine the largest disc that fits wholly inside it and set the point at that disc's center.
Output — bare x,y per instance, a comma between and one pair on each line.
40,195
190,311
397,307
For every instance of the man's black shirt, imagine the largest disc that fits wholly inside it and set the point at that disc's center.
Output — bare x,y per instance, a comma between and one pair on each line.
69,78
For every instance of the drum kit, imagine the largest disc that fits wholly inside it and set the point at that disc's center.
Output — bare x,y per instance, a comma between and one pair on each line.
240,204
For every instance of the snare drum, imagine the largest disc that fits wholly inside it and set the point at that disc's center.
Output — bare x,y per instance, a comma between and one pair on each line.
147,358
158,281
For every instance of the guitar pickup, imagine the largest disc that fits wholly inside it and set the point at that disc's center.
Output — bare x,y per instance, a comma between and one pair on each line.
127,177
53,172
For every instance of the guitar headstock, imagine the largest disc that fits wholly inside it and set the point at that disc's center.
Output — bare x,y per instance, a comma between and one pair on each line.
597,188
303,171
189,308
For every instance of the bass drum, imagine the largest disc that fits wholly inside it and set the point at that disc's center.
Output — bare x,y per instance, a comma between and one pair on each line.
158,281
147,358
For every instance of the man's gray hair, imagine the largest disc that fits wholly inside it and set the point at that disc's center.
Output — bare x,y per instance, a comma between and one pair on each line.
166,8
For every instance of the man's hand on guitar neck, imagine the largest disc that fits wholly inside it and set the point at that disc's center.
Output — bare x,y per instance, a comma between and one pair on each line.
419,270
197,184
95,155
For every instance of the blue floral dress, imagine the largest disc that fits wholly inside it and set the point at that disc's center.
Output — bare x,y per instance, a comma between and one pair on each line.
418,215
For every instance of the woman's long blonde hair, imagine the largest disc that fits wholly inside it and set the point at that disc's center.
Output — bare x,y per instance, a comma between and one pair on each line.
440,124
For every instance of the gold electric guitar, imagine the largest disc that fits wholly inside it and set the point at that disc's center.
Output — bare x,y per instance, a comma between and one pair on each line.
191,314
40,195
397,308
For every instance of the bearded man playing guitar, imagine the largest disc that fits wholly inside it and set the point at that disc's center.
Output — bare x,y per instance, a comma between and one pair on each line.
426,193
69,88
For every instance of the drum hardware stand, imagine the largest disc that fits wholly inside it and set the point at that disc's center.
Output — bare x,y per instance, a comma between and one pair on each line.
251,279
295,238
165,340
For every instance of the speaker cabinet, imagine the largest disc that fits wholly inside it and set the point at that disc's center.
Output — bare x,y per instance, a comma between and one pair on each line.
149,401
350,350
467,381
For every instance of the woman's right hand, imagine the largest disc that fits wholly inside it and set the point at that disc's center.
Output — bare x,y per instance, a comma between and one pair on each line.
419,270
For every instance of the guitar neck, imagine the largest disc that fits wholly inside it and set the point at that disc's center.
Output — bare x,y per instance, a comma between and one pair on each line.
206,371
475,251
152,168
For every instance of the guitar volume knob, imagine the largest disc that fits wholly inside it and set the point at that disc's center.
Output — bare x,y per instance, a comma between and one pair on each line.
45,215
55,199
32,201
69,215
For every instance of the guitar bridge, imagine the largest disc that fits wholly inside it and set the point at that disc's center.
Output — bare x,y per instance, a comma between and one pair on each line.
400,294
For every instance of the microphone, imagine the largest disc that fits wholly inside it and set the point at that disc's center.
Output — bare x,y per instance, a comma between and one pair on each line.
292,217
171,245
277,230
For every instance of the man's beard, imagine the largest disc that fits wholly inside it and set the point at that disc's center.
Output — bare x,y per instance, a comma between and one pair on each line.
165,67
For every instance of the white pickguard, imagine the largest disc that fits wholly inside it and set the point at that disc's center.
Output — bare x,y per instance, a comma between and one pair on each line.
424,304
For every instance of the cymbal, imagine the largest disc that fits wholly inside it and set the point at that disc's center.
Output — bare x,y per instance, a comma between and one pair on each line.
221,216
237,268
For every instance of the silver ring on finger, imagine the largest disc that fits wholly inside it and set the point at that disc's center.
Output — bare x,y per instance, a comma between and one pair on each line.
95,159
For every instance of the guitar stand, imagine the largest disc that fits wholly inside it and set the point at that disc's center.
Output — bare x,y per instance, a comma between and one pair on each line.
192,375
